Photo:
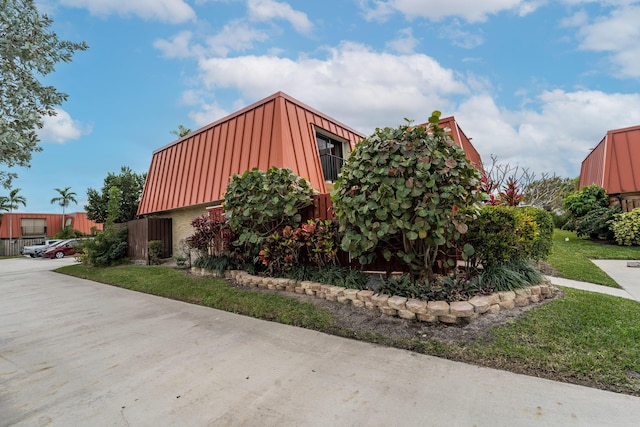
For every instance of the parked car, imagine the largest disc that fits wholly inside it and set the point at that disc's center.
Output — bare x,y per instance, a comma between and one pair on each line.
38,249
62,249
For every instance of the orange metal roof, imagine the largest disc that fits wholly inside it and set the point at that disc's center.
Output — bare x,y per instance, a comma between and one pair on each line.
276,131
79,222
462,140
615,162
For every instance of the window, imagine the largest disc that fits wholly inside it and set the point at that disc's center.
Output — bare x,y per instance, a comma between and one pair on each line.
33,226
331,155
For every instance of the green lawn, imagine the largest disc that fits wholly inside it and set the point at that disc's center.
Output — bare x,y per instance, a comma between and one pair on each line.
583,338
572,258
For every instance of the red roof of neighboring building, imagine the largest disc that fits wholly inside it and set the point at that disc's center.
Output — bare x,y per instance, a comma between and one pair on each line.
77,220
276,131
615,162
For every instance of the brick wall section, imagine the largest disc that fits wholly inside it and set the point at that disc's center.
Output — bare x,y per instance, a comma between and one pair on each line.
181,224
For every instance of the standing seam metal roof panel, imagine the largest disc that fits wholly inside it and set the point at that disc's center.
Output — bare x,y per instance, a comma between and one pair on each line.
277,131
612,163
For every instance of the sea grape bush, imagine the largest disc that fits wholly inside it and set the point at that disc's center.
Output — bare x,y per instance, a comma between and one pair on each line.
258,204
398,193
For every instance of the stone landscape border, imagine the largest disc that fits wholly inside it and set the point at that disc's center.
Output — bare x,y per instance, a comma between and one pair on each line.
390,305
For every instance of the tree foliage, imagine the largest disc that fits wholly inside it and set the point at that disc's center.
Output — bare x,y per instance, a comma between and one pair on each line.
130,186
65,198
589,198
258,203
29,50
181,131
110,246
398,192
10,203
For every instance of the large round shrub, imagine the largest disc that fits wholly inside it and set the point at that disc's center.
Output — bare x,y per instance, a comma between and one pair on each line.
259,203
586,200
398,193
626,228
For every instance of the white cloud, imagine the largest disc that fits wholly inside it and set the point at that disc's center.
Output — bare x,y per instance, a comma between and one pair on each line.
179,46
266,10
619,35
404,42
361,87
553,137
208,113
172,11
235,36
453,32
62,128
471,11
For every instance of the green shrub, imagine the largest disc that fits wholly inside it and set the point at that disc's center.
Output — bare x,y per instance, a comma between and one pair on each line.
68,233
314,242
334,275
258,203
108,247
586,200
448,288
597,224
219,263
492,235
543,239
499,234
626,228
397,194
501,277
155,250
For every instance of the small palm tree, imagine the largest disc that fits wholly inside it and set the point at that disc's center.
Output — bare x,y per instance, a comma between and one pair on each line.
64,200
9,204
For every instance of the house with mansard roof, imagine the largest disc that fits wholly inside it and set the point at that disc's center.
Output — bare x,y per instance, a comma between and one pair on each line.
190,175
614,164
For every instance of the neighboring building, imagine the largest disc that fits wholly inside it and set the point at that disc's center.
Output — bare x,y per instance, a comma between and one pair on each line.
614,164
30,228
36,226
462,140
191,174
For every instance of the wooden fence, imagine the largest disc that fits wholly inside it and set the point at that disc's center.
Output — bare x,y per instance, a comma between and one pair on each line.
14,246
141,231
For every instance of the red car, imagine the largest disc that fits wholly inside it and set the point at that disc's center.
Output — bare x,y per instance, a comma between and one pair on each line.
62,249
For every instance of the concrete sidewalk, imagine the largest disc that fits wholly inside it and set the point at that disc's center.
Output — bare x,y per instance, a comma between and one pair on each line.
628,278
76,352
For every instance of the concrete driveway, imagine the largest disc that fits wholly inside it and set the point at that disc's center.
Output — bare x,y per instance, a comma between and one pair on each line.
78,353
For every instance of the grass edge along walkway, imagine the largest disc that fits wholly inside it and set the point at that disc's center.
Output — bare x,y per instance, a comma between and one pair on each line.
584,338
572,257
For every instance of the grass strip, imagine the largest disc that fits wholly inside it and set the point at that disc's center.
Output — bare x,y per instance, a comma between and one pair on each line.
210,292
572,258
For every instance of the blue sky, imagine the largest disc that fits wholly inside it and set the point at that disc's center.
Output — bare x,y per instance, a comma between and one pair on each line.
536,83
